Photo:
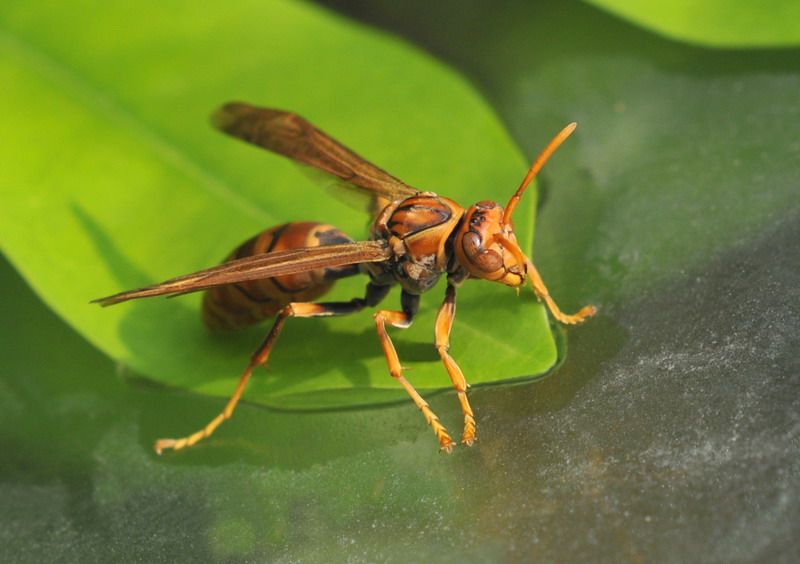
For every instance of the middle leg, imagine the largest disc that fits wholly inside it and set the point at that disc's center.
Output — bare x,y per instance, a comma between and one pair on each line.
444,322
402,320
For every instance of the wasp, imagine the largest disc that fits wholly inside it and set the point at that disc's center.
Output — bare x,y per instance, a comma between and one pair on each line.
416,237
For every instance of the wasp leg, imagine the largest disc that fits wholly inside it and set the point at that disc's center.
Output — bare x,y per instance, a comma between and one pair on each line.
402,320
444,322
541,291
295,309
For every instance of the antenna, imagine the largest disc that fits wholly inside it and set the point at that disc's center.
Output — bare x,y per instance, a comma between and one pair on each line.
535,168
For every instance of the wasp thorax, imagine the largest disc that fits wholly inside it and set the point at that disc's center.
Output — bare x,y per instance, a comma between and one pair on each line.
487,248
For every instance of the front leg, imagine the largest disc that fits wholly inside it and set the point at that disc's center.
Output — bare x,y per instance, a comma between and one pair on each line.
444,322
541,292
402,320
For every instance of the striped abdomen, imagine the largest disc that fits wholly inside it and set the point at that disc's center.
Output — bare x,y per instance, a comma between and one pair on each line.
246,303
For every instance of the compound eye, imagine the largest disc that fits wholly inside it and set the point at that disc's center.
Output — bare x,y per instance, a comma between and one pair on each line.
485,259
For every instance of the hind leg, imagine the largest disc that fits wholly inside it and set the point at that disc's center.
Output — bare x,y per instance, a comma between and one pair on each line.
301,309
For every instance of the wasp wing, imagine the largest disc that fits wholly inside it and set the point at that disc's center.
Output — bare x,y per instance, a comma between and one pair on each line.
290,261
292,136
346,192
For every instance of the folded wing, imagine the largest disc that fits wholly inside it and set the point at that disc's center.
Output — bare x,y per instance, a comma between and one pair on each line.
267,265
292,136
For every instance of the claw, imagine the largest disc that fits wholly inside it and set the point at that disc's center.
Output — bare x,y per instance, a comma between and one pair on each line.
448,448
162,444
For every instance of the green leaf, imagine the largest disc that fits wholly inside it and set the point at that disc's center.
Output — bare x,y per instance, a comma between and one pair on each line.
113,179
717,23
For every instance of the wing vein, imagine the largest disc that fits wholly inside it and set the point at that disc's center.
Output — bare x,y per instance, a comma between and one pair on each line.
290,261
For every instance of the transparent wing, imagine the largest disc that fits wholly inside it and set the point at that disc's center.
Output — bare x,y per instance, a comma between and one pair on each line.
346,192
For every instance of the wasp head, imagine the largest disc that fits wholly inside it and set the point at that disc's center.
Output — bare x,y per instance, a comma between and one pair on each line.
485,245
487,248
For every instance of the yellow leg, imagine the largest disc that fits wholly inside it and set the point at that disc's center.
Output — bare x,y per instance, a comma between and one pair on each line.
543,294
444,322
261,356
403,320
